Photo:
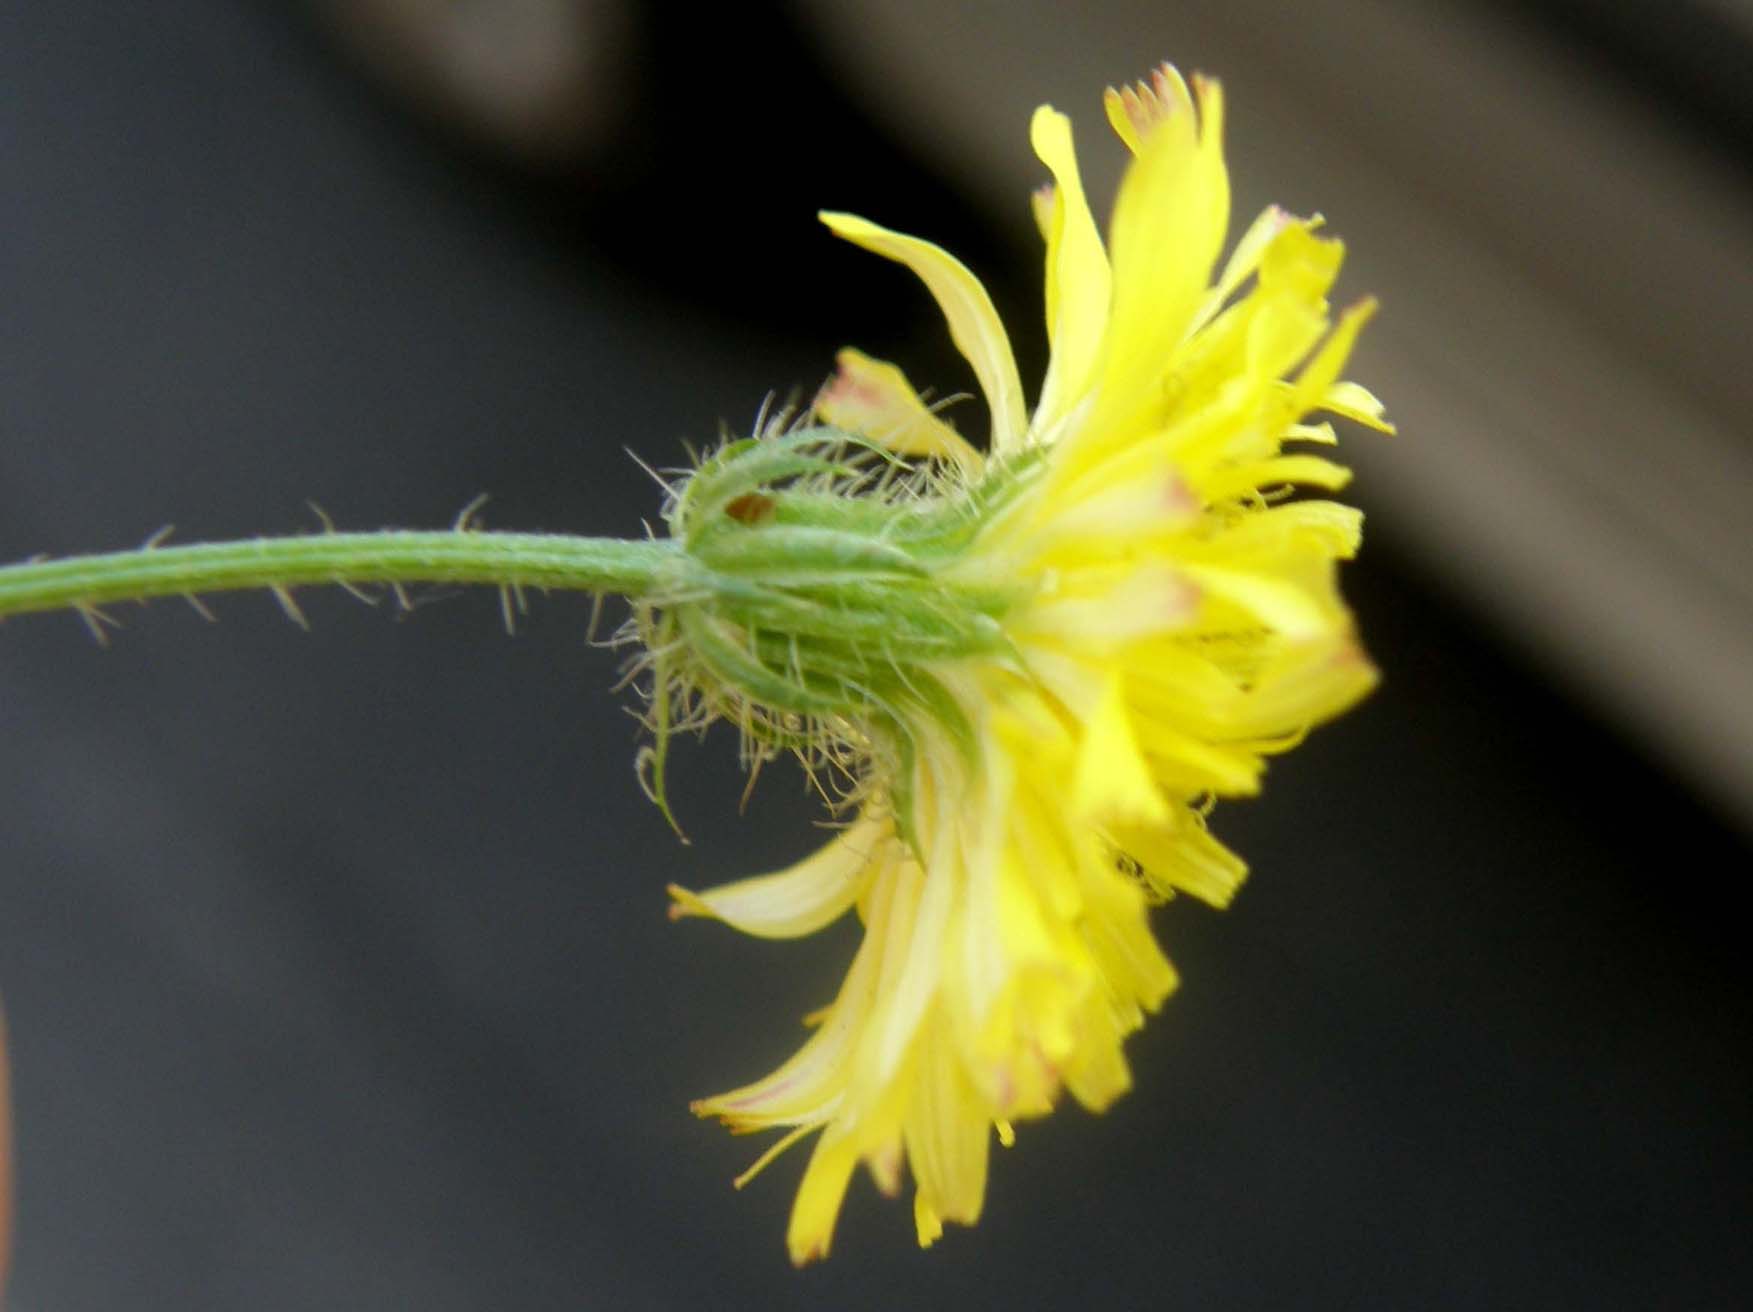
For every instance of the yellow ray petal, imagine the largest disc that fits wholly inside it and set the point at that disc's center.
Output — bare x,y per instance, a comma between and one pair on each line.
1144,600
1099,1074
805,1090
885,1161
1184,857
913,961
1134,970
1320,374
1321,432
1290,307
808,1086
1283,606
1296,529
1308,688
874,399
974,323
1126,512
1187,764
1244,259
1257,475
927,1223
1077,274
1299,262
819,1196
1112,780
1169,222
949,1135
1356,403
802,898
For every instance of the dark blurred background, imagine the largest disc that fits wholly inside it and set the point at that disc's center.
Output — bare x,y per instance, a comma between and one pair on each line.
335,962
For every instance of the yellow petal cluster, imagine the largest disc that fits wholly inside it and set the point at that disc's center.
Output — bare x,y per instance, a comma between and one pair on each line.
1181,623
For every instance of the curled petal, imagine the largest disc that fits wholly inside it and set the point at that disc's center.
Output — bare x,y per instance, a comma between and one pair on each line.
802,898
874,399
974,323
808,1087
1356,403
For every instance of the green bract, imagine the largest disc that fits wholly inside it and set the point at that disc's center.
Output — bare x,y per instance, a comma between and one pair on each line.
815,595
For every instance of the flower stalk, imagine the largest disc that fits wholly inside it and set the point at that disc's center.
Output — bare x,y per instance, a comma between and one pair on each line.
390,557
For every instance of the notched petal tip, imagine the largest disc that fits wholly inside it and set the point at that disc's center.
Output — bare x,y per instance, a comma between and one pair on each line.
927,1223
1137,110
685,902
874,399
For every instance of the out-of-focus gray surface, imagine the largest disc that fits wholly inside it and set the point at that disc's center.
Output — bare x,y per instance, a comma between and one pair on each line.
336,964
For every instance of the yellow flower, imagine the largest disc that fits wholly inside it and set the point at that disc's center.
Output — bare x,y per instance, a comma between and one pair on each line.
1175,620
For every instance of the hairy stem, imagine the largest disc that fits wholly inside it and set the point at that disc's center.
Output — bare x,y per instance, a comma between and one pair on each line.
507,560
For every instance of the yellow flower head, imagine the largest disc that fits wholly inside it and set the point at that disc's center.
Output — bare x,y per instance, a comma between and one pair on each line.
1080,639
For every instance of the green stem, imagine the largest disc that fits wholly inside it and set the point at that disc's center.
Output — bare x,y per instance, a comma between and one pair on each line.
507,560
